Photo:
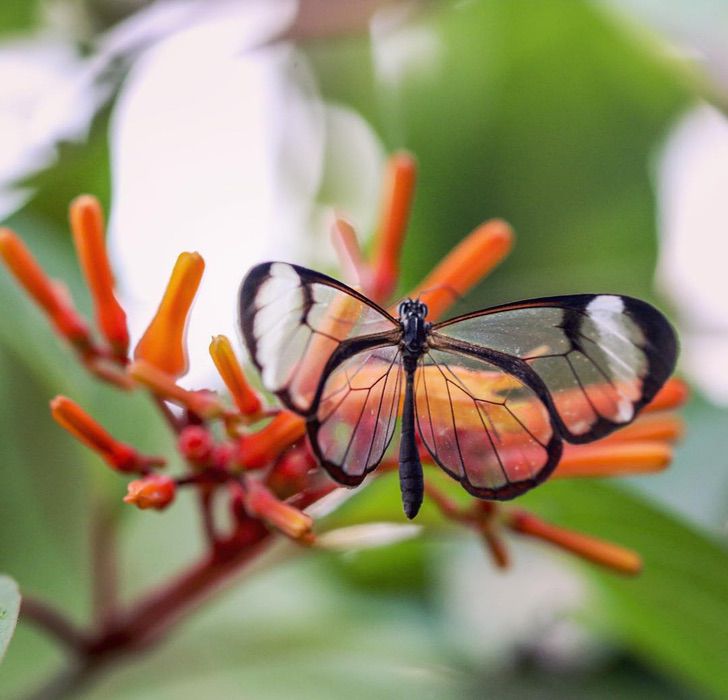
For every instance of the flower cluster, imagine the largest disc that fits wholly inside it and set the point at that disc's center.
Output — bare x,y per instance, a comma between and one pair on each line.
255,454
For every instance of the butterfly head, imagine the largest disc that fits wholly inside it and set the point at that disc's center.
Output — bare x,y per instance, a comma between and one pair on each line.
412,307
412,313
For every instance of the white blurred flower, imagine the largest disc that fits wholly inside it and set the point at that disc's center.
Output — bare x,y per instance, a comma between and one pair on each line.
219,144
44,98
693,213
494,613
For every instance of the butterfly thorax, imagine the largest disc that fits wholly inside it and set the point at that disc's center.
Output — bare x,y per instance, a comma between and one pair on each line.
412,314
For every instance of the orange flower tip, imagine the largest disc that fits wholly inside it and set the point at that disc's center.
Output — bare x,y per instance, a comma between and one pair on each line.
121,457
654,426
397,200
674,393
348,250
49,295
246,399
613,459
261,503
259,449
155,491
196,444
607,554
87,226
466,265
163,343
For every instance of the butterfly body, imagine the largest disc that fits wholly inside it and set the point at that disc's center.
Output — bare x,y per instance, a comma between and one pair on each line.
493,395
412,319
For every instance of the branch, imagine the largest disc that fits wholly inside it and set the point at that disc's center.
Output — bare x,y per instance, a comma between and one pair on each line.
54,623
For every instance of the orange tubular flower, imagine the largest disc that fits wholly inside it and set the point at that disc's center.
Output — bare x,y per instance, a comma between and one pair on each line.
261,503
262,447
356,269
611,458
155,491
247,400
124,458
163,343
49,295
468,263
87,226
673,394
598,551
398,193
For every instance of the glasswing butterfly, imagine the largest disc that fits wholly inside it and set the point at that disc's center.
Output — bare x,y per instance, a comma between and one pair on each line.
492,394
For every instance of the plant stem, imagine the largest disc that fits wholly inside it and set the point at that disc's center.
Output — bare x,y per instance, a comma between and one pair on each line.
104,574
54,623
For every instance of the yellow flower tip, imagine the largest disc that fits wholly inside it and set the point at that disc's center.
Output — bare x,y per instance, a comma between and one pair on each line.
259,449
163,343
70,416
613,459
261,503
246,399
397,201
468,263
674,393
356,270
87,227
607,554
155,491
204,404
52,298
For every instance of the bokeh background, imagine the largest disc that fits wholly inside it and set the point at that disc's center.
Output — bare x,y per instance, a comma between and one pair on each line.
596,129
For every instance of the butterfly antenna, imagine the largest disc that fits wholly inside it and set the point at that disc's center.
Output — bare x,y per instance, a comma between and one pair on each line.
446,287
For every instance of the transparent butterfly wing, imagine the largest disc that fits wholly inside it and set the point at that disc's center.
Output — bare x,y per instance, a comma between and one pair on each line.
483,426
297,324
594,360
357,413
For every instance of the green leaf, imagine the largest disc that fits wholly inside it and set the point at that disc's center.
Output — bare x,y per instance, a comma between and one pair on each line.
9,608
16,15
674,614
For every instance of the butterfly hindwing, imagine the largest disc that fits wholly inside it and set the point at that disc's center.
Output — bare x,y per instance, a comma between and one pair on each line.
357,412
595,359
485,427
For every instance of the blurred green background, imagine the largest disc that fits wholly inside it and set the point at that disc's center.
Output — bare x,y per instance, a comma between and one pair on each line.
549,115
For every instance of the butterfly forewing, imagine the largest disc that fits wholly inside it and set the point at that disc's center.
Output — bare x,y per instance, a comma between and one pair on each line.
484,426
357,412
294,320
595,360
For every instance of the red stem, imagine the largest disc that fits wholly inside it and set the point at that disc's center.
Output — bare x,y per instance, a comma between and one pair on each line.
54,623
104,574
161,608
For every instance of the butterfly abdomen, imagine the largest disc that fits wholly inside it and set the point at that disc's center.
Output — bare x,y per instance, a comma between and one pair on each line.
411,481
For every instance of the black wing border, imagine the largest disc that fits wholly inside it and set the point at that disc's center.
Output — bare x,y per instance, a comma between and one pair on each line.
313,425
247,311
661,350
554,448
346,349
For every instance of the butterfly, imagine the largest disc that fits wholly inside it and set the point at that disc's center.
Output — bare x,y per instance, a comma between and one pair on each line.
492,394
